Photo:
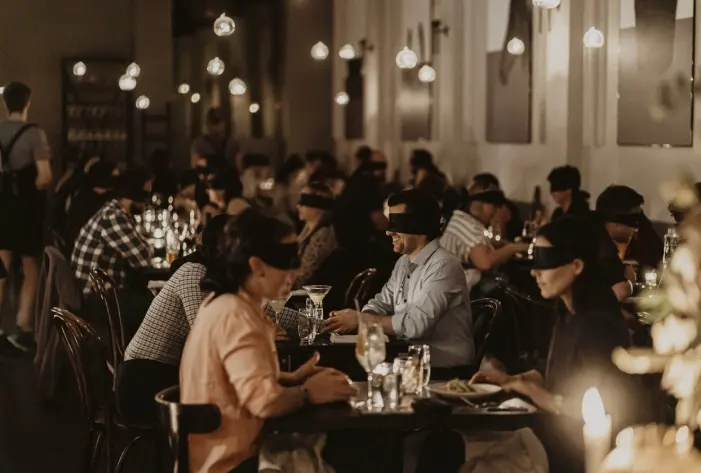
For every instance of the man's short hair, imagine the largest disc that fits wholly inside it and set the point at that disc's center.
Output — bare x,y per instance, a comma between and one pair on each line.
421,204
364,154
485,180
16,96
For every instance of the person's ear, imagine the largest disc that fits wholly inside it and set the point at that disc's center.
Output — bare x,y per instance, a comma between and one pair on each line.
257,266
578,266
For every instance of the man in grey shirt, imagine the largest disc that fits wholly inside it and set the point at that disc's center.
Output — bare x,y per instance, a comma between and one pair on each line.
426,298
26,173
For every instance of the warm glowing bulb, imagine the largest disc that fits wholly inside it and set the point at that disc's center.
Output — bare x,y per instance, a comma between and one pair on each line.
194,98
546,3
406,58
133,70
516,46
79,68
254,108
143,102
237,87
224,25
184,88
320,51
127,82
427,74
593,410
342,98
347,52
593,38
215,67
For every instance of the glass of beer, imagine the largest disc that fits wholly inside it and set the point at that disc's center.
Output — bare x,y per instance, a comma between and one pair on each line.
172,247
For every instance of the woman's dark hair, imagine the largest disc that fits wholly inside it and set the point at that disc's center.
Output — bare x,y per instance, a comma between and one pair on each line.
319,188
293,163
581,237
251,228
422,205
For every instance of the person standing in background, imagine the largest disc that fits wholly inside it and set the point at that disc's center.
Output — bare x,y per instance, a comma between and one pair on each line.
25,158
216,151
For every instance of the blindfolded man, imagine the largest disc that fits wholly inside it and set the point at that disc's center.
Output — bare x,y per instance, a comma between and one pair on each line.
426,298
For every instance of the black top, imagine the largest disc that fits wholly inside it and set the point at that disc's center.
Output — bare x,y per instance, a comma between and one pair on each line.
84,204
578,207
580,358
361,197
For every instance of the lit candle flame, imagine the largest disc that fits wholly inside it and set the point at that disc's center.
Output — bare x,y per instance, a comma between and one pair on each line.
593,410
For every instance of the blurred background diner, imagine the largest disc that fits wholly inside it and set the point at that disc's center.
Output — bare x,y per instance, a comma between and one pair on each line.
348,235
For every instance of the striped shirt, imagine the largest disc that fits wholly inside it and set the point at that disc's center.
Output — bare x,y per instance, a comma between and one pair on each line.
463,233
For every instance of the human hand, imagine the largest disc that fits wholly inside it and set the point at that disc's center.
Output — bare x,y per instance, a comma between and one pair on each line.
498,378
342,321
519,247
329,385
307,370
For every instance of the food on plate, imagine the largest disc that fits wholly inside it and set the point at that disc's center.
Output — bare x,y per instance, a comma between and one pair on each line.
459,386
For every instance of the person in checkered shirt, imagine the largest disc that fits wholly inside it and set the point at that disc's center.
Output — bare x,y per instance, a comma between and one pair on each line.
110,240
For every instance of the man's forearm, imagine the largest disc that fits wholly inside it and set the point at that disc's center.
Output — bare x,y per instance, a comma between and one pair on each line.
385,321
502,255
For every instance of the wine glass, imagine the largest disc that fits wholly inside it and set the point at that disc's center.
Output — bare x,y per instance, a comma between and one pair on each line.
317,293
370,350
423,354
278,305
173,245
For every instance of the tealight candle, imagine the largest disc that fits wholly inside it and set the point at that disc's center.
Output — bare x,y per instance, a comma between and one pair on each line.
597,430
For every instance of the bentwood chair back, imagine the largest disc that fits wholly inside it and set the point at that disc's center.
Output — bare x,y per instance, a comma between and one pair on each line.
181,420
105,288
485,316
358,289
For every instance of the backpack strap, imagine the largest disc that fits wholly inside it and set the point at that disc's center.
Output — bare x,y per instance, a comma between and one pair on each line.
6,150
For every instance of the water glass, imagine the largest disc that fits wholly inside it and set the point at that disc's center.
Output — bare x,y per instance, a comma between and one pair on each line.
383,391
306,328
423,354
407,370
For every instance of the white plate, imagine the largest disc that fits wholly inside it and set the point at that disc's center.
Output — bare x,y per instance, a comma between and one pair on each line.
481,391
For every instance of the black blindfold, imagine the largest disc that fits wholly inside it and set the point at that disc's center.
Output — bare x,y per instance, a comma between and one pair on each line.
316,201
547,257
280,255
489,197
413,224
629,220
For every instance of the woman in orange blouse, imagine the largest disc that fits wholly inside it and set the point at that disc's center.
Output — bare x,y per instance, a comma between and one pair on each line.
230,358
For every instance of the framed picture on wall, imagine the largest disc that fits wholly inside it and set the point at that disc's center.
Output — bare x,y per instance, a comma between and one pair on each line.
509,70
656,47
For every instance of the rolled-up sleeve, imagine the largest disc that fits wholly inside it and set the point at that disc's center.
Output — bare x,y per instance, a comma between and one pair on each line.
383,302
251,367
442,284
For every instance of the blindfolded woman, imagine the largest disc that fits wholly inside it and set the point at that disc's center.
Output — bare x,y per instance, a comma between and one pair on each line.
318,237
230,358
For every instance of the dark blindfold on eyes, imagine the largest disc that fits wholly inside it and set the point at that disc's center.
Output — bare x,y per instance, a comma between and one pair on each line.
545,257
283,256
316,201
378,165
412,224
629,220
489,197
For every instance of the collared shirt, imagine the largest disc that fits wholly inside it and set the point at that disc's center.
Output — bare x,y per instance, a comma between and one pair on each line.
463,233
429,303
230,360
110,242
161,335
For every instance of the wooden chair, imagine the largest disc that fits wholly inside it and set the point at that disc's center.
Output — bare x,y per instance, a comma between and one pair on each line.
87,356
181,420
357,292
105,288
485,315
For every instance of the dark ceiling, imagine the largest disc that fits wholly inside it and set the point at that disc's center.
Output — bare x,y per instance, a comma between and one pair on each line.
190,15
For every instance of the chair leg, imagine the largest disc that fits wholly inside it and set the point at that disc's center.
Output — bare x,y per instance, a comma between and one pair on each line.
95,441
125,452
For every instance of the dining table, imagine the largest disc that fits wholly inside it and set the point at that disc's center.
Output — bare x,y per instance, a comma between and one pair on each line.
381,437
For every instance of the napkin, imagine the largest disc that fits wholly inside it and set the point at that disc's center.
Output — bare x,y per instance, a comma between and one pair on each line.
337,338
517,403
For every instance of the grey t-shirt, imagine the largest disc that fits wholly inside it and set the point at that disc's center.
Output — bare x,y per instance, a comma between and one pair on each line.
30,147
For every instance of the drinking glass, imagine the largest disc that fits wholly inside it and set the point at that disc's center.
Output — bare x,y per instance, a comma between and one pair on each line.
370,351
306,328
671,241
278,305
423,355
172,246
317,293
407,368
